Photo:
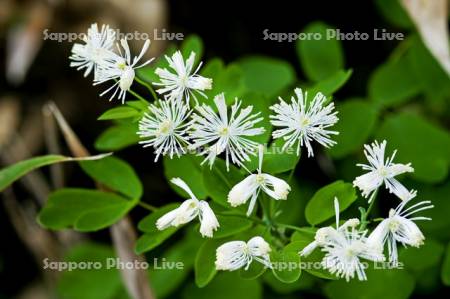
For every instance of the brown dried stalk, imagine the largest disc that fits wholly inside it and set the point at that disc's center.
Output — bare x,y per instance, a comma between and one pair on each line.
123,233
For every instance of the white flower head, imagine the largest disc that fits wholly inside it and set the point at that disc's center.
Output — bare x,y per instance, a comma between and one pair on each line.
234,255
344,246
381,171
399,227
250,187
95,50
323,234
218,133
187,211
165,128
185,81
343,251
121,68
302,122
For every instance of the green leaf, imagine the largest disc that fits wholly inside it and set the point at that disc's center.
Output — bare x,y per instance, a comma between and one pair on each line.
393,12
254,271
218,182
205,268
429,74
192,43
331,84
357,119
276,160
267,75
212,68
386,284
83,209
312,262
231,225
286,265
118,137
321,205
153,237
419,259
306,283
321,57
420,142
10,174
119,113
393,83
148,223
102,283
188,168
138,105
227,79
116,174
231,82
289,211
440,224
226,285
445,272
183,253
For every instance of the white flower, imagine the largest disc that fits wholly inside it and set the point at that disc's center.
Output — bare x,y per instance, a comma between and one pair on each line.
237,254
95,51
382,171
303,121
399,227
343,251
225,134
121,69
343,248
184,81
187,211
323,233
276,188
165,128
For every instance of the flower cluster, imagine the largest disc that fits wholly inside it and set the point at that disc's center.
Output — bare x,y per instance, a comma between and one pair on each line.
97,54
346,244
171,124
179,122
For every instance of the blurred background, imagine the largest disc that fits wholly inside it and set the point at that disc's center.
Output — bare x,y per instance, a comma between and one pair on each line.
35,71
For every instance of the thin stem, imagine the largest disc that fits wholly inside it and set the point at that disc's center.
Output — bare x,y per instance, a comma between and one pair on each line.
148,86
223,177
256,219
288,226
364,221
138,96
291,174
266,214
372,200
147,206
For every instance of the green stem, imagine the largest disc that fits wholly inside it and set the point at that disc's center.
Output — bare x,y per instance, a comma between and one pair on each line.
291,174
266,214
197,166
372,200
288,226
147,206
256,219
138,96
223,177
364,221
148,86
